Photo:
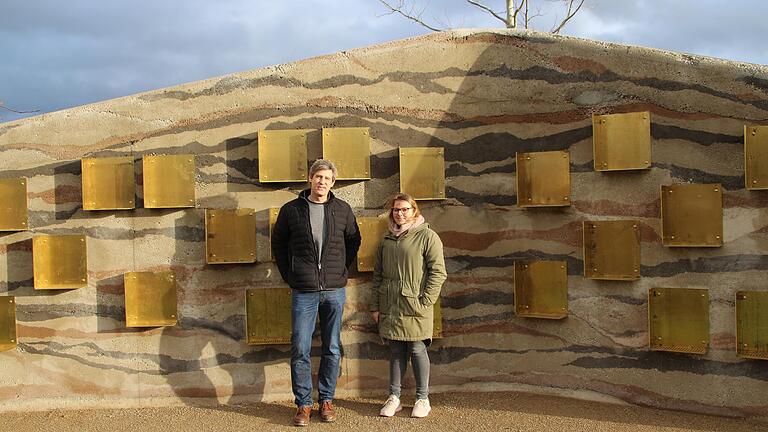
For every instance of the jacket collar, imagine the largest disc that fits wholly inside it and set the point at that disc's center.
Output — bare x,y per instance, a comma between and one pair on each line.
305,195
423,226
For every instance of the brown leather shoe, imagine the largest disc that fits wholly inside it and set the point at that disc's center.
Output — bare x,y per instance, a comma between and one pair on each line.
302,416
327,414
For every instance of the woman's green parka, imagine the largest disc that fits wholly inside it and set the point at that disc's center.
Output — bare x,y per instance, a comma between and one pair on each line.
407,277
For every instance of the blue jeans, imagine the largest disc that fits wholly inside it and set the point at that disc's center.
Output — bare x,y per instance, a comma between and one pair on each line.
305,307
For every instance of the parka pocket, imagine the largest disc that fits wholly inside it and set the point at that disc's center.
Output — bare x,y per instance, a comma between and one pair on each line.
409,301
411,306
410,290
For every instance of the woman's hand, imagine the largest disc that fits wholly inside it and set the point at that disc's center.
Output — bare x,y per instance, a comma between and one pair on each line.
375,316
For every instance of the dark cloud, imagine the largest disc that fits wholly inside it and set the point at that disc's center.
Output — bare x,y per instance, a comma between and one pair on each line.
62,54
59,54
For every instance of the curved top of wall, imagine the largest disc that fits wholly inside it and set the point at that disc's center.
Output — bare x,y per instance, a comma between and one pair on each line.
726,88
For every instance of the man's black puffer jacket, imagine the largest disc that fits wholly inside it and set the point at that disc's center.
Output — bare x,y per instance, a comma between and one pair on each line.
295,251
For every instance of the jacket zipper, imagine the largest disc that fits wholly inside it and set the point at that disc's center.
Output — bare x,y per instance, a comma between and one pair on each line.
319,275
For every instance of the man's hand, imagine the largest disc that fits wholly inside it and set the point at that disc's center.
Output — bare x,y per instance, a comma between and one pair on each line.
375,316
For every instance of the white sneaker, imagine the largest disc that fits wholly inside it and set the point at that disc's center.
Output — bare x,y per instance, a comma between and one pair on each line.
421,408
391,407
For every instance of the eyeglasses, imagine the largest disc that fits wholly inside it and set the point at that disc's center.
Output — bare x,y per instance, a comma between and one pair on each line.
403,210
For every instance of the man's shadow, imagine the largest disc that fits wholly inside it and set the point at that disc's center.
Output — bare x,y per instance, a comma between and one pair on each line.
204,359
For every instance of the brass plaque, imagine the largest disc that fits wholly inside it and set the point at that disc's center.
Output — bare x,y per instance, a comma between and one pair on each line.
752,324
169,181
437,329
541,289
692,215
108,183
230,236
268,316
7,323
350,150
273,213
60,261
422,172
283,155
543,179
372,230
612,250
13,204
150,299
756,157
678,319
622,141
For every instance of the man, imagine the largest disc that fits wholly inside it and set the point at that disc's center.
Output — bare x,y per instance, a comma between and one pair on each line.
314,241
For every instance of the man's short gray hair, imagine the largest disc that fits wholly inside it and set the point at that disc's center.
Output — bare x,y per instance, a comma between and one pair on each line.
323,164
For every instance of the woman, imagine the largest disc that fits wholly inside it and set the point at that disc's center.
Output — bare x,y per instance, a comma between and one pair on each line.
407,277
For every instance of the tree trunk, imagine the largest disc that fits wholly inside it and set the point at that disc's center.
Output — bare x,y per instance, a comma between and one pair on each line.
511,15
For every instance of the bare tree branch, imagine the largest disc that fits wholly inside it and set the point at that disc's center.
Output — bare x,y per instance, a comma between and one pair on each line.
489,10
2,105
529,16
525,14
523,6
411,15
568,15
518,12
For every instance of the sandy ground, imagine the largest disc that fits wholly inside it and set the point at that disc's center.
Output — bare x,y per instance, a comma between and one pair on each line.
505,411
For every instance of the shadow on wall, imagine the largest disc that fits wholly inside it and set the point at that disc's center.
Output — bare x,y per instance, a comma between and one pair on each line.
20,283
110,306
67,190
241,160
20,274
205,356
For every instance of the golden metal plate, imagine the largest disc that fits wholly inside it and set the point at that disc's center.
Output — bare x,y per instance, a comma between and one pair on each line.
422,172
752,324
230,236
756,157
612,250
60,261
437,328
541,289
692,215
622,141
273,213
268,316
283,155
372,230
350,150
7,323
108,183
678,319
543,179
150,299
169,181
13,204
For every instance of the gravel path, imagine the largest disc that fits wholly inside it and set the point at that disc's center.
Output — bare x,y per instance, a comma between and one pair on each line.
507,411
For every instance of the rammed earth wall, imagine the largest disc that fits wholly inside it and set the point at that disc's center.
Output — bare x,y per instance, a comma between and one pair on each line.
481,95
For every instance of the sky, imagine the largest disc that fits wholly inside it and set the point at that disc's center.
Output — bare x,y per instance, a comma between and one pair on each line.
58,54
